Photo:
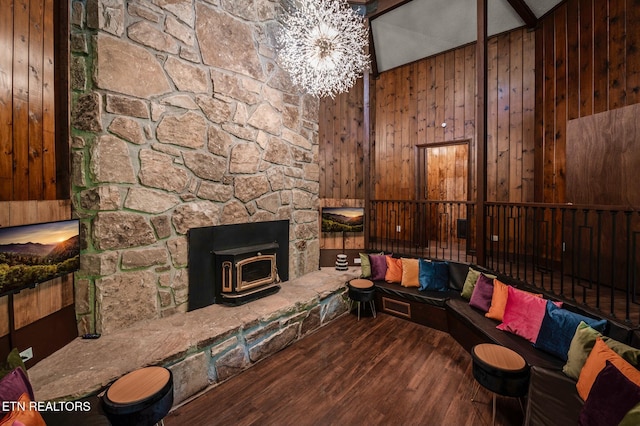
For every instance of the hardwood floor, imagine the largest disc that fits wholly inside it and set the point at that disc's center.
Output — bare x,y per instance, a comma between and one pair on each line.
376,371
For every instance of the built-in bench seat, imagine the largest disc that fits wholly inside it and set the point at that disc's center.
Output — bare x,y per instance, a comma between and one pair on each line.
552,397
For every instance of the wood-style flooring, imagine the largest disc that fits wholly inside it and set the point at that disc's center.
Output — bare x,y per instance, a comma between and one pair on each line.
376,371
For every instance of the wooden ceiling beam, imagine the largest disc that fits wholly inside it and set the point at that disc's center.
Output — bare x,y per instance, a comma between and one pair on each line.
524,11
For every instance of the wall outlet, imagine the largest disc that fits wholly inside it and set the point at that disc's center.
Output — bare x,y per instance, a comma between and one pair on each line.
357,260
398,228
26,355
494,238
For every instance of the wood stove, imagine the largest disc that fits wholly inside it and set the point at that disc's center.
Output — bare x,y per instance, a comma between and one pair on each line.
247,272
234,264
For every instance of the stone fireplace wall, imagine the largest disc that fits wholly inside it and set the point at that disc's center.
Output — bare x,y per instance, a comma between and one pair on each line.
181,118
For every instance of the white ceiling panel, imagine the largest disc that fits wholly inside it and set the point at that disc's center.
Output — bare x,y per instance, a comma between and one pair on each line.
422,28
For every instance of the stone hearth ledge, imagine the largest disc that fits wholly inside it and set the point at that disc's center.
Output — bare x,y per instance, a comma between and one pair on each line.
202,347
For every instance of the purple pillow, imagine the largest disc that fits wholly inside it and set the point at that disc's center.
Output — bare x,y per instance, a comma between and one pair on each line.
13,385
482,293
378,266
610,398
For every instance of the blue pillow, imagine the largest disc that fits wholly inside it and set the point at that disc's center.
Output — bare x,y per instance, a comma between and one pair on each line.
433,275
558,328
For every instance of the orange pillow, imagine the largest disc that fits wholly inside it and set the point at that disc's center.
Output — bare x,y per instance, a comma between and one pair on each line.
596,361
27,416
394,270
498,300
410,273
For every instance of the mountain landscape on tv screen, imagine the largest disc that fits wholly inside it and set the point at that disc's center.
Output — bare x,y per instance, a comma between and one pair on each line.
27,264
337,222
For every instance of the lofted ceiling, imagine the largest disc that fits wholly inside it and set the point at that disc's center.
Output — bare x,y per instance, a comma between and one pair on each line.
406,31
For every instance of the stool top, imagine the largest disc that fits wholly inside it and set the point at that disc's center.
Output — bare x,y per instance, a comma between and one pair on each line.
138,385
498,357
361,283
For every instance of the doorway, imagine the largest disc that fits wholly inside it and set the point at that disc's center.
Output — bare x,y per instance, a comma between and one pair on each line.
442,187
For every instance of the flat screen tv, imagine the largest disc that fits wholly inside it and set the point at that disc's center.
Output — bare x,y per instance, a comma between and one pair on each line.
33,254
342,219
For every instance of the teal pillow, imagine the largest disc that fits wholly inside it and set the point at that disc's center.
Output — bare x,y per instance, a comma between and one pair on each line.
365,266
433,275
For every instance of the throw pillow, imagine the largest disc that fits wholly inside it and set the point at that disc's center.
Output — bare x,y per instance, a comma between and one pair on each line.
596,361
365,266
434,275
632,418
579,349
13,361
26,417
582,343
612,396
523,314
470,283
378,266
482,293
498,300
394,270
410,272
13,385
558,328
628,353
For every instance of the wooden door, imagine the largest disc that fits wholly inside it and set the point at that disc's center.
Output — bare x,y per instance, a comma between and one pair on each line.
443,185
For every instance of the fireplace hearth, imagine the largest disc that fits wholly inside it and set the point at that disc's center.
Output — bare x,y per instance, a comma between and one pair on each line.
234,264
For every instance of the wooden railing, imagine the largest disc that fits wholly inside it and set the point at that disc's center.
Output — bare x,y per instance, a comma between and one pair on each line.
585,254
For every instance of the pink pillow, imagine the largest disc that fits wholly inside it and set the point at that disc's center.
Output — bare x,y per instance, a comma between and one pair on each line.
523,314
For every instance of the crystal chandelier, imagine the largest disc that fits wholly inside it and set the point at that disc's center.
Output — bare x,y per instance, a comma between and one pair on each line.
322,45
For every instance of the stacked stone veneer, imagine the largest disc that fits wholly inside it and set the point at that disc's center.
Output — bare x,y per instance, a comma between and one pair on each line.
180,118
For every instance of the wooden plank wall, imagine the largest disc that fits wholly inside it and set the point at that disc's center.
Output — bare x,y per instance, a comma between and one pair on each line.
414,100
27,101
588,56
605,158
341,135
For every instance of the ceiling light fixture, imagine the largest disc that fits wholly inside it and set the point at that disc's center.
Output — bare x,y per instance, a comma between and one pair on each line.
322,45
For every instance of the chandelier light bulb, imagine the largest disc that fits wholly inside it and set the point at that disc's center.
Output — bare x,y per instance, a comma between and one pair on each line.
322,45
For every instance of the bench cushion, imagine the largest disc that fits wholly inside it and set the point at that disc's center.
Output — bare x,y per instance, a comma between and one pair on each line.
487,327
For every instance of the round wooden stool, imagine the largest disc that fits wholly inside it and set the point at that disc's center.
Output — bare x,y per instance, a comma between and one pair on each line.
361,290
501,371
142,397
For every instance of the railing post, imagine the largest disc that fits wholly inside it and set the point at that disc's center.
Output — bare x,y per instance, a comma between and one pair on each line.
481,132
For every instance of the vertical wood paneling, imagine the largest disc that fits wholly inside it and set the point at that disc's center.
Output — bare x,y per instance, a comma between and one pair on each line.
560,109
528,117
28,168
617,54
49,110
341,151
503,115
516,130
414,100
20,102
6,101
589,51
492,119
632,57
36,70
